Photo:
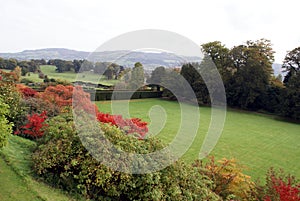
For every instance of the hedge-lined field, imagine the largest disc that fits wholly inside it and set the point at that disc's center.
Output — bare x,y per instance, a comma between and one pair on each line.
258,141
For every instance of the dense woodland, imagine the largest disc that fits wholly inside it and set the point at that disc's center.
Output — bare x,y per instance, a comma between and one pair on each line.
247,74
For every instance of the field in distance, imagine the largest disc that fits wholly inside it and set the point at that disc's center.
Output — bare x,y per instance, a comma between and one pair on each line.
69,76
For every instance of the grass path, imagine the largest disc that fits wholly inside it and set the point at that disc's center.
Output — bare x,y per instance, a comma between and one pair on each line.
16,179
12,186
257,141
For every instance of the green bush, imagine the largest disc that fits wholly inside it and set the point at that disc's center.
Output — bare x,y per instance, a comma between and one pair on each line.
10,96
5,126
62,160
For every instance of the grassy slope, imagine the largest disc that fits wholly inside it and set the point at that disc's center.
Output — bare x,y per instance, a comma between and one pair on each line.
258,141
17,182
12,186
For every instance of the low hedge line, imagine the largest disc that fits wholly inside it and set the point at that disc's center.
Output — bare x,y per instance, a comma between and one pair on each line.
100,95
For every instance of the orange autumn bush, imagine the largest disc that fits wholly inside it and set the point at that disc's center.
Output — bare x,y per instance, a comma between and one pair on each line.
228,178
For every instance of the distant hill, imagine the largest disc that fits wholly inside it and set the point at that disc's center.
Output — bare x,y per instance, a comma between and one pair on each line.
127,58
49,53
150,60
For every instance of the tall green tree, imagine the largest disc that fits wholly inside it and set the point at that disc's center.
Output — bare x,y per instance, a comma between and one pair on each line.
109,72
253,73
291,63
77,65
137,76
291,94
173,84
219,54
157,77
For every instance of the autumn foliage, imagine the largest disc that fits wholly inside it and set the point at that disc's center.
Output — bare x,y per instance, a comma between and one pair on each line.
26,91
34,127
75,97
134,125
281,187
228,178
59,95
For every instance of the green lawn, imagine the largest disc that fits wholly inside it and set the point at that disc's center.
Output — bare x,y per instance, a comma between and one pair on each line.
16,178
257,141
12,186
71,76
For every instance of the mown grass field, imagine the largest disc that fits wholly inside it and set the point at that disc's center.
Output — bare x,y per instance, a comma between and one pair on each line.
71,76
257,141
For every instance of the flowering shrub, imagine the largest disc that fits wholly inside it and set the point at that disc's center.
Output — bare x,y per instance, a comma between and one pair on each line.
286,191
59,95
130,126
26,91
62,96
281,187
34,127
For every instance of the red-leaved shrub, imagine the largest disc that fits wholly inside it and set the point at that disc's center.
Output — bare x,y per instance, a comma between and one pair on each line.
34,127
67,96
279,187
286,191
26,91
130,126
75,97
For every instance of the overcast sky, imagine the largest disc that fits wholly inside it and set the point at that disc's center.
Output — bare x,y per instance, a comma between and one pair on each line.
86,24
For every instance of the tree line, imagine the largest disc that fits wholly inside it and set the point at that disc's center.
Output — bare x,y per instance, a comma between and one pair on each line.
108,69
247,74
26,66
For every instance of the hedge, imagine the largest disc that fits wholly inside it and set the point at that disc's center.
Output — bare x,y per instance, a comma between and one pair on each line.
99,95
